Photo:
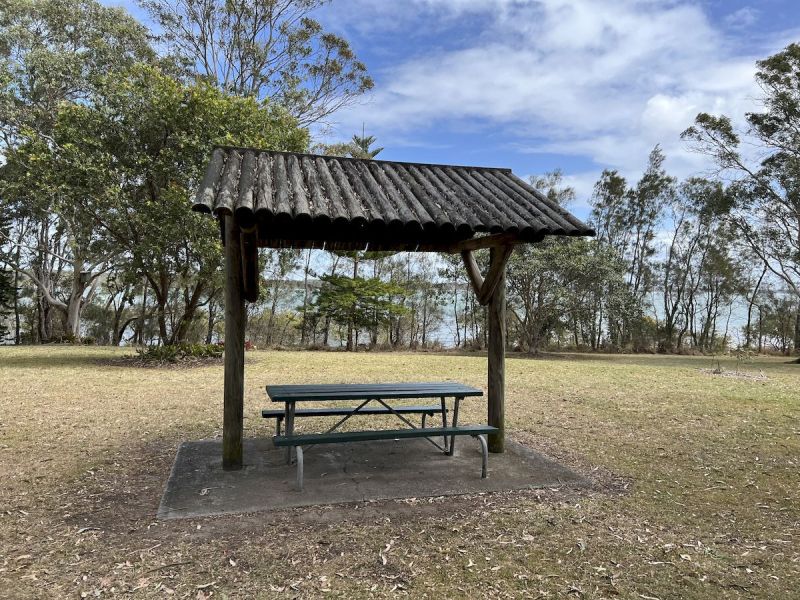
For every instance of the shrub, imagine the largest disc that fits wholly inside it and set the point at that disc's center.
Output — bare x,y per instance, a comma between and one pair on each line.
175,353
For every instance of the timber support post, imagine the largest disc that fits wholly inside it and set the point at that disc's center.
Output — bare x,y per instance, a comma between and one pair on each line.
235,321
492,291
497,358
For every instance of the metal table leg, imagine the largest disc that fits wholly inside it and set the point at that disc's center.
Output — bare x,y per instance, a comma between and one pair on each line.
300,468
455,424
485,452
290,406
444,421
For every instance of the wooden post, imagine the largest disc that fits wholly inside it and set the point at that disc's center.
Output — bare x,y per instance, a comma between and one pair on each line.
235,320
497,358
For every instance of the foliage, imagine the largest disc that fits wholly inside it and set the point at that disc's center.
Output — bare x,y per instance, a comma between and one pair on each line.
177,352
356,302
627,219
552,185
359,147
157,133
267,49
765,192
693,258
552,288
51,52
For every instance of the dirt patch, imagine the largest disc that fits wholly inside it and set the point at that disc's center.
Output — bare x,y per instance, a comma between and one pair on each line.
734,374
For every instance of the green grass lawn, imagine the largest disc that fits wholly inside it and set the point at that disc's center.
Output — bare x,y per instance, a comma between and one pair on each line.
697,495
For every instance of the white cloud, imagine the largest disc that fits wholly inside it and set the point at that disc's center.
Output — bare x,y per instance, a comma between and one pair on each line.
742,18
603,79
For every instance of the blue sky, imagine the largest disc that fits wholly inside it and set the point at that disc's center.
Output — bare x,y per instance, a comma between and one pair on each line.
578,84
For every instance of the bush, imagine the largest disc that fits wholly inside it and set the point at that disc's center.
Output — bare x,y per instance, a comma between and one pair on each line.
179,352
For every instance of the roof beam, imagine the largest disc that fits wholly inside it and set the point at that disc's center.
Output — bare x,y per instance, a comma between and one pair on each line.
487,241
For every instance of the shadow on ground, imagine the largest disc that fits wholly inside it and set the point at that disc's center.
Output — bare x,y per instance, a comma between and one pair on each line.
345,473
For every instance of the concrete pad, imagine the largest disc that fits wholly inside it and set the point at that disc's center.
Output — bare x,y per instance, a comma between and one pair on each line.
343,473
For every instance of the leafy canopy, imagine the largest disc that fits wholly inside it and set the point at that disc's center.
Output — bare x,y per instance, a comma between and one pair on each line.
765,194
265,48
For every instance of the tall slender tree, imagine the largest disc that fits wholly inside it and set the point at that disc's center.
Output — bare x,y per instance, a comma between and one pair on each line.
766,187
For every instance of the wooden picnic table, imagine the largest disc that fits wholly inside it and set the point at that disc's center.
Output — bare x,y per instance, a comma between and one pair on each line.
380,393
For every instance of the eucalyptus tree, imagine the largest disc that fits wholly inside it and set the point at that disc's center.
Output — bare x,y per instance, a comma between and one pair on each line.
557,288
766,174
137,150
52,52
628,219
694,215
270,49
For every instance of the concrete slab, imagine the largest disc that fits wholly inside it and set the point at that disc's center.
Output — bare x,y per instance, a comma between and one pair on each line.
344,473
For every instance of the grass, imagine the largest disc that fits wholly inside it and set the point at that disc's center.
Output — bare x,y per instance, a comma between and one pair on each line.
697,485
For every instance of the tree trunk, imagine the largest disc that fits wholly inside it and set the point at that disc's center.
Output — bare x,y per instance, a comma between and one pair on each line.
139,337
191,303
748,336
17,331
797,328
212,312
350,346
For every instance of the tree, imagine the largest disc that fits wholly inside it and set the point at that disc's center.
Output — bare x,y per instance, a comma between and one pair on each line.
552,185
361,147
628,219
131,159
356,303
765,189
268,49
694,214
51,52
7,291
278,263
557,286
551,287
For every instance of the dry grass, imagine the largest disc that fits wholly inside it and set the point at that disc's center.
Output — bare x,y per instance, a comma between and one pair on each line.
697,497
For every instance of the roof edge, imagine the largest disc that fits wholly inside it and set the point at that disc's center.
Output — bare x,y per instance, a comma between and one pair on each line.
358,160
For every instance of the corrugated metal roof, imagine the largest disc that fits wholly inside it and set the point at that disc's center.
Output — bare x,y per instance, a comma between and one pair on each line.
303,200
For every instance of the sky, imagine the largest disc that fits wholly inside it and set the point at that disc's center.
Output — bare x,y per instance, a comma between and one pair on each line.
581,85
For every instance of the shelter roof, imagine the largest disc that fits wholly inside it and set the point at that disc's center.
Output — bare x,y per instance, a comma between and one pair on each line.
302,200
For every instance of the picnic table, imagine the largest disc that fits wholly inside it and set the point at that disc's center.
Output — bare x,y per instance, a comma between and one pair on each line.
379,395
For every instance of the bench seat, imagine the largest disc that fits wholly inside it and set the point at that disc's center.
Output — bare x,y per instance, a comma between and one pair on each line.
338,437
279,415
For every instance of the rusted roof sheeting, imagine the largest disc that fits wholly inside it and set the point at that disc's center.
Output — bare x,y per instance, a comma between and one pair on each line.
300,200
